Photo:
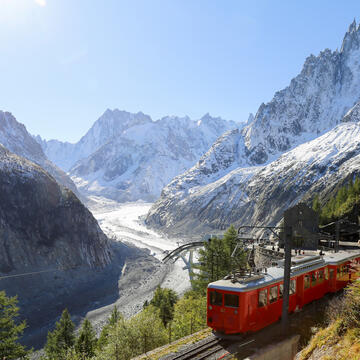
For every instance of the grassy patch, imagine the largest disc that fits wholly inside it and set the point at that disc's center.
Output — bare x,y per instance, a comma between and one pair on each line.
175,346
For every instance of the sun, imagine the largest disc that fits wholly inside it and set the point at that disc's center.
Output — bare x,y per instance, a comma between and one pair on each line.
41,3
15,12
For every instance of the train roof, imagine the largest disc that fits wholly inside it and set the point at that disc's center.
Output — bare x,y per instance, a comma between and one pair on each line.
300,264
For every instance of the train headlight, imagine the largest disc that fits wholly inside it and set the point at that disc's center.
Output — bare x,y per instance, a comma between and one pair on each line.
210,307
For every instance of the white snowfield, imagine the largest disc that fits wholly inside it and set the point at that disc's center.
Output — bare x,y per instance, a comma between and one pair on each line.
125,223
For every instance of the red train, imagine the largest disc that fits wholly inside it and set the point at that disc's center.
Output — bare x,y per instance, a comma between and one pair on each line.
250,303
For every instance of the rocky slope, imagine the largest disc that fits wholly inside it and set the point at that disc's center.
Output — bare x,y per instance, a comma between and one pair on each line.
42,223
204,200
14,136
47,234
128,157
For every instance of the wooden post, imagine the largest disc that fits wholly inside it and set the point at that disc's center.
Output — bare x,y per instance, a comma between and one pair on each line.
287,268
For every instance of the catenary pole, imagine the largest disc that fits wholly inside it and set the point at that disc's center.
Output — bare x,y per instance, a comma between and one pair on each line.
287,267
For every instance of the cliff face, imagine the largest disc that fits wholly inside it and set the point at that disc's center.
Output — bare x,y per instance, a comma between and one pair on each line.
43,224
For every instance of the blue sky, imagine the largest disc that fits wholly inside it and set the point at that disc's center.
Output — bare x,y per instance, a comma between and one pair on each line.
64,62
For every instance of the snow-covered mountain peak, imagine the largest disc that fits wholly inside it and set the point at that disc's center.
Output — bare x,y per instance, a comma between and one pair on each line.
128,156
307,137
111,123
313,103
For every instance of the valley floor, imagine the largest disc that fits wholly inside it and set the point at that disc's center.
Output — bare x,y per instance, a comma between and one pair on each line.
125,223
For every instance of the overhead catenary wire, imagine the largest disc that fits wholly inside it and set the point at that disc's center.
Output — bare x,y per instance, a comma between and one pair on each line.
31,273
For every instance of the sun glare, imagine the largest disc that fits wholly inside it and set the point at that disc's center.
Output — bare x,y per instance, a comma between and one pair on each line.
15,12
41,2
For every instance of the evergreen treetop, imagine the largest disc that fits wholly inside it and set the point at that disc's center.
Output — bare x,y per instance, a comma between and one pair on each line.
61,339
10,330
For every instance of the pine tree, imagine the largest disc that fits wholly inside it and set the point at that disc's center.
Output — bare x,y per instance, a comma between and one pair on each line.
215,260
115,316
357,185
190,315
86,341
164,300
148,329
10,331
316,206
61,339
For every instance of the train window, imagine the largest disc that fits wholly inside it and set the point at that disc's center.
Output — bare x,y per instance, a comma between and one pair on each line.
306,281
281,291
321,276
338,271
231,300
326,274
263,298
215,298
332,273
273,295
313,279
292,289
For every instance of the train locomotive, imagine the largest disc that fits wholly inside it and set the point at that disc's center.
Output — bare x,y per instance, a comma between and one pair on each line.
248,303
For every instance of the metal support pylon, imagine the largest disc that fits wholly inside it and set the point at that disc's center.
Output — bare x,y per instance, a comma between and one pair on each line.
188,262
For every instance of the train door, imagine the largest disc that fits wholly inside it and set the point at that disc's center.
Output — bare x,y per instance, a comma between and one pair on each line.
217,309
263,311
231,313
252,311
299,291
275,302
307,290
292,295
332,278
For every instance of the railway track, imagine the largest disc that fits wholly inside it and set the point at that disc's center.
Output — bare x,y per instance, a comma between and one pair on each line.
202,350
205,349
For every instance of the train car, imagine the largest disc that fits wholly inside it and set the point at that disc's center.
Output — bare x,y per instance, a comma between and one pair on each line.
248,303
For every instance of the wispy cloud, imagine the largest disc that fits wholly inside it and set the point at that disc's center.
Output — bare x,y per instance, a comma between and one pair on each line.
41,3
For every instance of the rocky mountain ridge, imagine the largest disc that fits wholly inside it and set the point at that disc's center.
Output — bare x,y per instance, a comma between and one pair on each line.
250,176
